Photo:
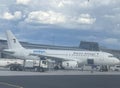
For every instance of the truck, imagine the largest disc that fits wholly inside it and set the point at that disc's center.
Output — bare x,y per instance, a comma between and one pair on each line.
115,68
26,64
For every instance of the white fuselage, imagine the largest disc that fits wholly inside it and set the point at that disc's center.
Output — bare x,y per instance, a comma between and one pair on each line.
99,58
82,57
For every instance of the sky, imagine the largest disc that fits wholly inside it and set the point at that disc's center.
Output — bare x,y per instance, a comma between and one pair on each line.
62,22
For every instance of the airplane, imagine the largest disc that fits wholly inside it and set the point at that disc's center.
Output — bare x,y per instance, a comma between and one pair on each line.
69,58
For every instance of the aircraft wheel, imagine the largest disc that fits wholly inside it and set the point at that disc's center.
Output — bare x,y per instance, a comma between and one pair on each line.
12,68
41,69
56,68
36,69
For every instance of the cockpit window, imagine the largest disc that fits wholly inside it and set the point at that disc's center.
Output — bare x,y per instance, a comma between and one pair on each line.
118,66
110,56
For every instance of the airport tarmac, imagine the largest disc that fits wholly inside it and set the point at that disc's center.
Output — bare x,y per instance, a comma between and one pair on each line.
59,72
59,79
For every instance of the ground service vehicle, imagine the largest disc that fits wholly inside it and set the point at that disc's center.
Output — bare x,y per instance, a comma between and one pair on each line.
20,65
115,68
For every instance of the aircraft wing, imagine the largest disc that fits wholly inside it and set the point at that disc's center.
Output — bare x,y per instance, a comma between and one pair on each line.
49,57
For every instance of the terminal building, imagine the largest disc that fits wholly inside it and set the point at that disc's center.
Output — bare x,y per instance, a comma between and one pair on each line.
92,46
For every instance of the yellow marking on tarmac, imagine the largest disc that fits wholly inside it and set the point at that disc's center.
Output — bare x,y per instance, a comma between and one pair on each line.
10,85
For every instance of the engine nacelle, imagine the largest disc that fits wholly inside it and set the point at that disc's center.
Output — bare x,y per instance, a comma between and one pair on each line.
69,64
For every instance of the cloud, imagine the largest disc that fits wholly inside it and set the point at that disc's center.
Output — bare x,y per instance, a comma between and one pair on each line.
8,16
45,17
85,19
96,18
23,2
109,16
113,41
114,17
52,17
63,3
84,4
2,36
59,3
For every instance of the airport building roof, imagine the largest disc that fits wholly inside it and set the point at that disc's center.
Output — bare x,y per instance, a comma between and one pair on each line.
3,45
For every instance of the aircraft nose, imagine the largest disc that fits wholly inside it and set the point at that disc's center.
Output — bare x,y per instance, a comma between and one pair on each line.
116,61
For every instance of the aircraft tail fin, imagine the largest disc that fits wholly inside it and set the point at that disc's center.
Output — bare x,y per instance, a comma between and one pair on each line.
12,41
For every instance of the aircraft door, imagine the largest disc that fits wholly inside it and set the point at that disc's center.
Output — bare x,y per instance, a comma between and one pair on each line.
90,61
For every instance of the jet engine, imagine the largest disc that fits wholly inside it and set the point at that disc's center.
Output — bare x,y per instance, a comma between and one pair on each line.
69,64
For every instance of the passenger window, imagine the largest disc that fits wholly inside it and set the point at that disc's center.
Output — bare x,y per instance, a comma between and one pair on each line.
44,62
67,64
118,66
